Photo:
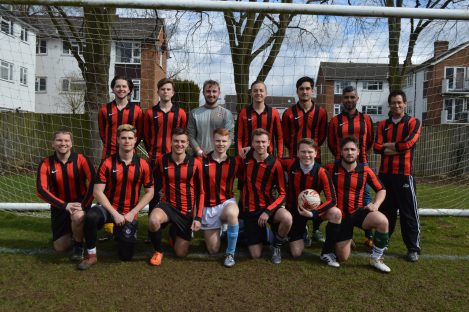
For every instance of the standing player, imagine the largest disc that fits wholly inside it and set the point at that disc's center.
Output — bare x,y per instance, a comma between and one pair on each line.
117,190
305,120
350,178
204,120
118,112
65,181
259,115
304,173
395,141
352,123
219,172
182,197
160,121
263,196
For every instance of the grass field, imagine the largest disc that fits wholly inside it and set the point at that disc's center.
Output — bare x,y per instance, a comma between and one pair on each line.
34,278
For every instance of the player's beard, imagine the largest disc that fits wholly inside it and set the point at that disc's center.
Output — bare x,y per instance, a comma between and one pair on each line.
349,162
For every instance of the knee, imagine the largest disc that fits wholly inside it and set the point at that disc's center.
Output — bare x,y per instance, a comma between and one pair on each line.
335,215
61,246
287,219
154,224
78,217
296,253
92,216
181,252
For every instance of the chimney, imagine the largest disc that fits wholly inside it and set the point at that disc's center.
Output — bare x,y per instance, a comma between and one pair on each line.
440,47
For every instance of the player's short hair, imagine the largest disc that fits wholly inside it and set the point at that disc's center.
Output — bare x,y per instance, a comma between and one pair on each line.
397,93
180,131
260,131
256,82
209,83
164,81
62,131
348,89
126,128
300,81
348,139
119,77
221,131
308,141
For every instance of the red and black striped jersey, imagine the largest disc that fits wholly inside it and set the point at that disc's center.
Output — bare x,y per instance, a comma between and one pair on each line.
110,118
158,127
358,125
59,184
249,120
298,124
350,186
263,184
317,179
181,184
218,179
405,134
123,182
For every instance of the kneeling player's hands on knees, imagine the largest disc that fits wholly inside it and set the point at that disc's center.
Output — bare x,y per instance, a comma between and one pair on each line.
371,207
195,226
119,219
263,219
129,217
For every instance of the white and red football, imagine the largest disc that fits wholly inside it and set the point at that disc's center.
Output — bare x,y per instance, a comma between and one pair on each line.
309,199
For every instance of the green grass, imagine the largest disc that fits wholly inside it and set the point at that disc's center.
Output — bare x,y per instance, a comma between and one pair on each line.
43,280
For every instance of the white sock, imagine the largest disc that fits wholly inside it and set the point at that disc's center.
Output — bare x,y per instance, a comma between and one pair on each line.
377,253
92,251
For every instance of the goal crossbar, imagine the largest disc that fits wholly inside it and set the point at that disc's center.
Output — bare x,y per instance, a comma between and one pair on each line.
295,8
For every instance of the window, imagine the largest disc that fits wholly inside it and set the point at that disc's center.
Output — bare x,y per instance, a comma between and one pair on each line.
454,107
161,57
75,47
410,108
337,109
373,85
41,84
6,70
24,34
6,25
426,78
136,91
23,75
128,52
372,109
424,104
41,46
73,85
340,85
455,77
409,80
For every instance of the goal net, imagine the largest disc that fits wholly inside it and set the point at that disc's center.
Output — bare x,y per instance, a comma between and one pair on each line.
57,63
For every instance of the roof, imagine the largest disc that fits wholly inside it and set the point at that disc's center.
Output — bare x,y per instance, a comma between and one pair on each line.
353,71
443,56
123,28
7,13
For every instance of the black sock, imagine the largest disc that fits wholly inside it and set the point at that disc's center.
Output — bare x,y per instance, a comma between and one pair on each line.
332,231
316,223
155,238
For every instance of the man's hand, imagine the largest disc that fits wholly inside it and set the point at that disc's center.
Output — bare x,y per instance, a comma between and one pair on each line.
129,217
264,217
195,226
119,219
73,207
371,207
307,213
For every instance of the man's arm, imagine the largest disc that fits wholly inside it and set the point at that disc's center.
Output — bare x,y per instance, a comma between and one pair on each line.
322,131
414,132
278,132
98,193
102,123
144,200
379,198
42,187
229,124
331,137
192,129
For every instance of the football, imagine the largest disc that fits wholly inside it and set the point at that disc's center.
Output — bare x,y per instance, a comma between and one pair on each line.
309,199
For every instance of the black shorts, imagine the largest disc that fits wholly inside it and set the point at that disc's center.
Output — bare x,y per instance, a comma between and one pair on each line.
347,225
298,228
182,224
255,234
61,224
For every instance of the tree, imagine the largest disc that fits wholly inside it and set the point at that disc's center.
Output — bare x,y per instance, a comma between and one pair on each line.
73,93
187,94
250,35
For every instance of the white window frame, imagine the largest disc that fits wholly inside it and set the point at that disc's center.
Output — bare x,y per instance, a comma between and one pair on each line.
410,108
337,109
371,84
409,80
39,46
23,76
424,105
24,34
75,46
161,57
339,86
37,85
134,58
452,116
453,80
6,67
136,95
8,23
426,73
72,85
369,109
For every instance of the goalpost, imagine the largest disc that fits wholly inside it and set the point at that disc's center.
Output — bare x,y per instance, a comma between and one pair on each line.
46,54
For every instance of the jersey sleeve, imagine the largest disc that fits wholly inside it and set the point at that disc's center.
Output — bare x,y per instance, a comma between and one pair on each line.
138,123
192,129
103,172
328,189
379,140
332,142
229,124
147,129
286,129
200,193
182,116
369,132
42,186
102,123
279,180
147,177
372,180
87,167
414,132
240,130
322,132
278,132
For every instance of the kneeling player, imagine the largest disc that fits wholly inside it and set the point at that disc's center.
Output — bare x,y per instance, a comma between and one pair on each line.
263,196
117,189
304,173
219,172
65,181
182,197
350,178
